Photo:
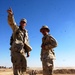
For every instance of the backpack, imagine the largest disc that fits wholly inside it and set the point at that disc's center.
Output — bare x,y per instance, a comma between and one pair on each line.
11,39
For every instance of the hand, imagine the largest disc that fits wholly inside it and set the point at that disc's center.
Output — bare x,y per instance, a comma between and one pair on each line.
10,11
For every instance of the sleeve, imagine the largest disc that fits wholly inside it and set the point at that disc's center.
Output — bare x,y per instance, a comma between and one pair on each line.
12,22
27,38
27,45
52,43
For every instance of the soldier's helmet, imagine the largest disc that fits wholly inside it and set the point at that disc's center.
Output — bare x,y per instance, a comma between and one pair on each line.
45,27
24,20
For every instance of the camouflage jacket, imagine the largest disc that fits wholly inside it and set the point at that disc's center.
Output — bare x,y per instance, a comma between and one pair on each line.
20,37
49,43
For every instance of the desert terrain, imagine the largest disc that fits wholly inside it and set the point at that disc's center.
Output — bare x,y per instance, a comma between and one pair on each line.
8,71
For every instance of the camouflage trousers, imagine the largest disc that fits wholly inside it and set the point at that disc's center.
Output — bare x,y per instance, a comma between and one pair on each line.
47,66
19,63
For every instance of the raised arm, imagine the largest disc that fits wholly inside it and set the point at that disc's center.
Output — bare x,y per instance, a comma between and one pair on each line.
11,20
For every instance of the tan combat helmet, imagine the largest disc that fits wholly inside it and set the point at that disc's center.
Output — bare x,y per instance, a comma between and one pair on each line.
44,27
24,20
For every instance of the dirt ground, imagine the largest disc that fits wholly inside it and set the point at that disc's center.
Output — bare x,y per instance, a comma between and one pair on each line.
9,72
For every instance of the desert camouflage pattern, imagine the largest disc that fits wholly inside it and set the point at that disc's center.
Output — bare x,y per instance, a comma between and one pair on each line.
47,54
18,56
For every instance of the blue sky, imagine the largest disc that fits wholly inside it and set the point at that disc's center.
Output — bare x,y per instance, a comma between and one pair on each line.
59,15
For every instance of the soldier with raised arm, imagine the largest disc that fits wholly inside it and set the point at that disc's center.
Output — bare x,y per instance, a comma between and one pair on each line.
19,44
47,53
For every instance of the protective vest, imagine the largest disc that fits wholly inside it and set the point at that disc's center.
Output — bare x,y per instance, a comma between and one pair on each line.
20,37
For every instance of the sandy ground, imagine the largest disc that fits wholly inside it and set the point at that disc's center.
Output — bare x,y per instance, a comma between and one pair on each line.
9,72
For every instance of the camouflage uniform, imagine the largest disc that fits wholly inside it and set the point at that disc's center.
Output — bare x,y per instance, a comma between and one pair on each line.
20,39
47,54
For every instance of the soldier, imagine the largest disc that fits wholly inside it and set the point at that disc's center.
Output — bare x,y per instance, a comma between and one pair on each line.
19,44
47,53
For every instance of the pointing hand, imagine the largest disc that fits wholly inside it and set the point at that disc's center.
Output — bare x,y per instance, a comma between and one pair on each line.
10,11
